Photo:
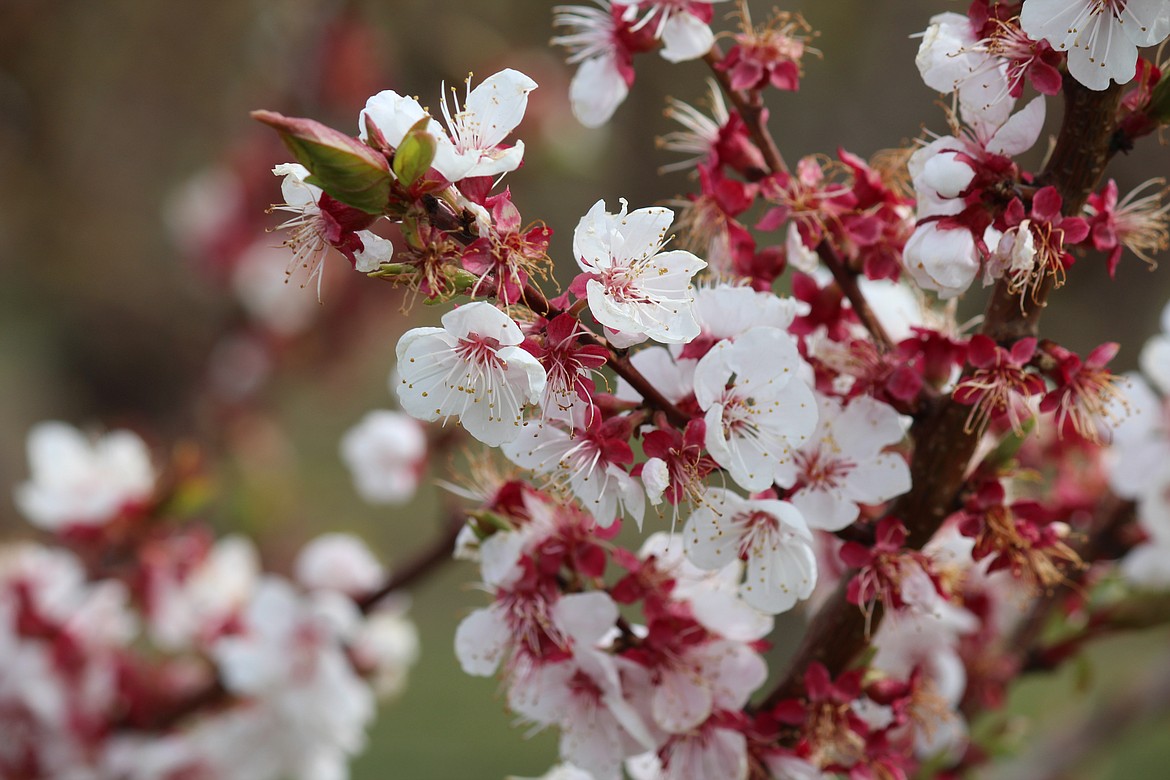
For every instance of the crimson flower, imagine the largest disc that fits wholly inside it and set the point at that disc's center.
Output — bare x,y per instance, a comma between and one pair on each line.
999,382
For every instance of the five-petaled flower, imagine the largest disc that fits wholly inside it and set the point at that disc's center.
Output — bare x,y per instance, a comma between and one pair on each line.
474,144
472,368
632,286
770,535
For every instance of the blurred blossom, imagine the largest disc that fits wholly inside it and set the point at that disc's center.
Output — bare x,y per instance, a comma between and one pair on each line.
262,287
76,480
339,562
386,454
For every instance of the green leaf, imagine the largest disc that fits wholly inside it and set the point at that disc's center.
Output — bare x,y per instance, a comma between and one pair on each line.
486,522
342,166
415,154
1159,109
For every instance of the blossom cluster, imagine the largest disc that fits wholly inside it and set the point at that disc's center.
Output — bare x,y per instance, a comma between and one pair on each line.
779,432
774,375
138,645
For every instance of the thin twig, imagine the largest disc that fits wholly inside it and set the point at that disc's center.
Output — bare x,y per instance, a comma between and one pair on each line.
751,109
847,281
437,554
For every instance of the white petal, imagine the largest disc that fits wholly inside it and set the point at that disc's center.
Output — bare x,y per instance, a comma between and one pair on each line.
375,251
394,115
1148,566
484,319
1146,22
1053,20
707,538
867,425
947,175
1155,362
597,90
944,261
681,702
294,189
825,509
778,577
1020,131
941,59
499,161
499,103
642,233
1112,56
586,617
729,616
880,479
685,38
481,641
592,238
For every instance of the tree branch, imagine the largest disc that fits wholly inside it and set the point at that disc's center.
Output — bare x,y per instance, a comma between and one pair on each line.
847,281
750,107
438,553
943,445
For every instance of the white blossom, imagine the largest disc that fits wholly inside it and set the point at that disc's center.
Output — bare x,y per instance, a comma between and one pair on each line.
191,607
571,455
713,594
1155,356
472,144
384,647
76,480
599,86
757,409
472,368
770,535
310,228
340,562
725,311
289,660
842,465
385,453
635,287
684,36
951,59
586,694
1101,36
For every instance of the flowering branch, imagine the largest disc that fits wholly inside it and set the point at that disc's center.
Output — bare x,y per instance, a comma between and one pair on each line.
750,105
943,445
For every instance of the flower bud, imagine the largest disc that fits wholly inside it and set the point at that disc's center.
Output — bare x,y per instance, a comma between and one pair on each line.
344,167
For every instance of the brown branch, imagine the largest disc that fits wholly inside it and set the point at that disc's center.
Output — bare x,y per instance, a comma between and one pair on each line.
847,281
750,107
437,554
943,443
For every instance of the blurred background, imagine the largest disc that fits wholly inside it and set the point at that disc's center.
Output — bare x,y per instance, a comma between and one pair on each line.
133,182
